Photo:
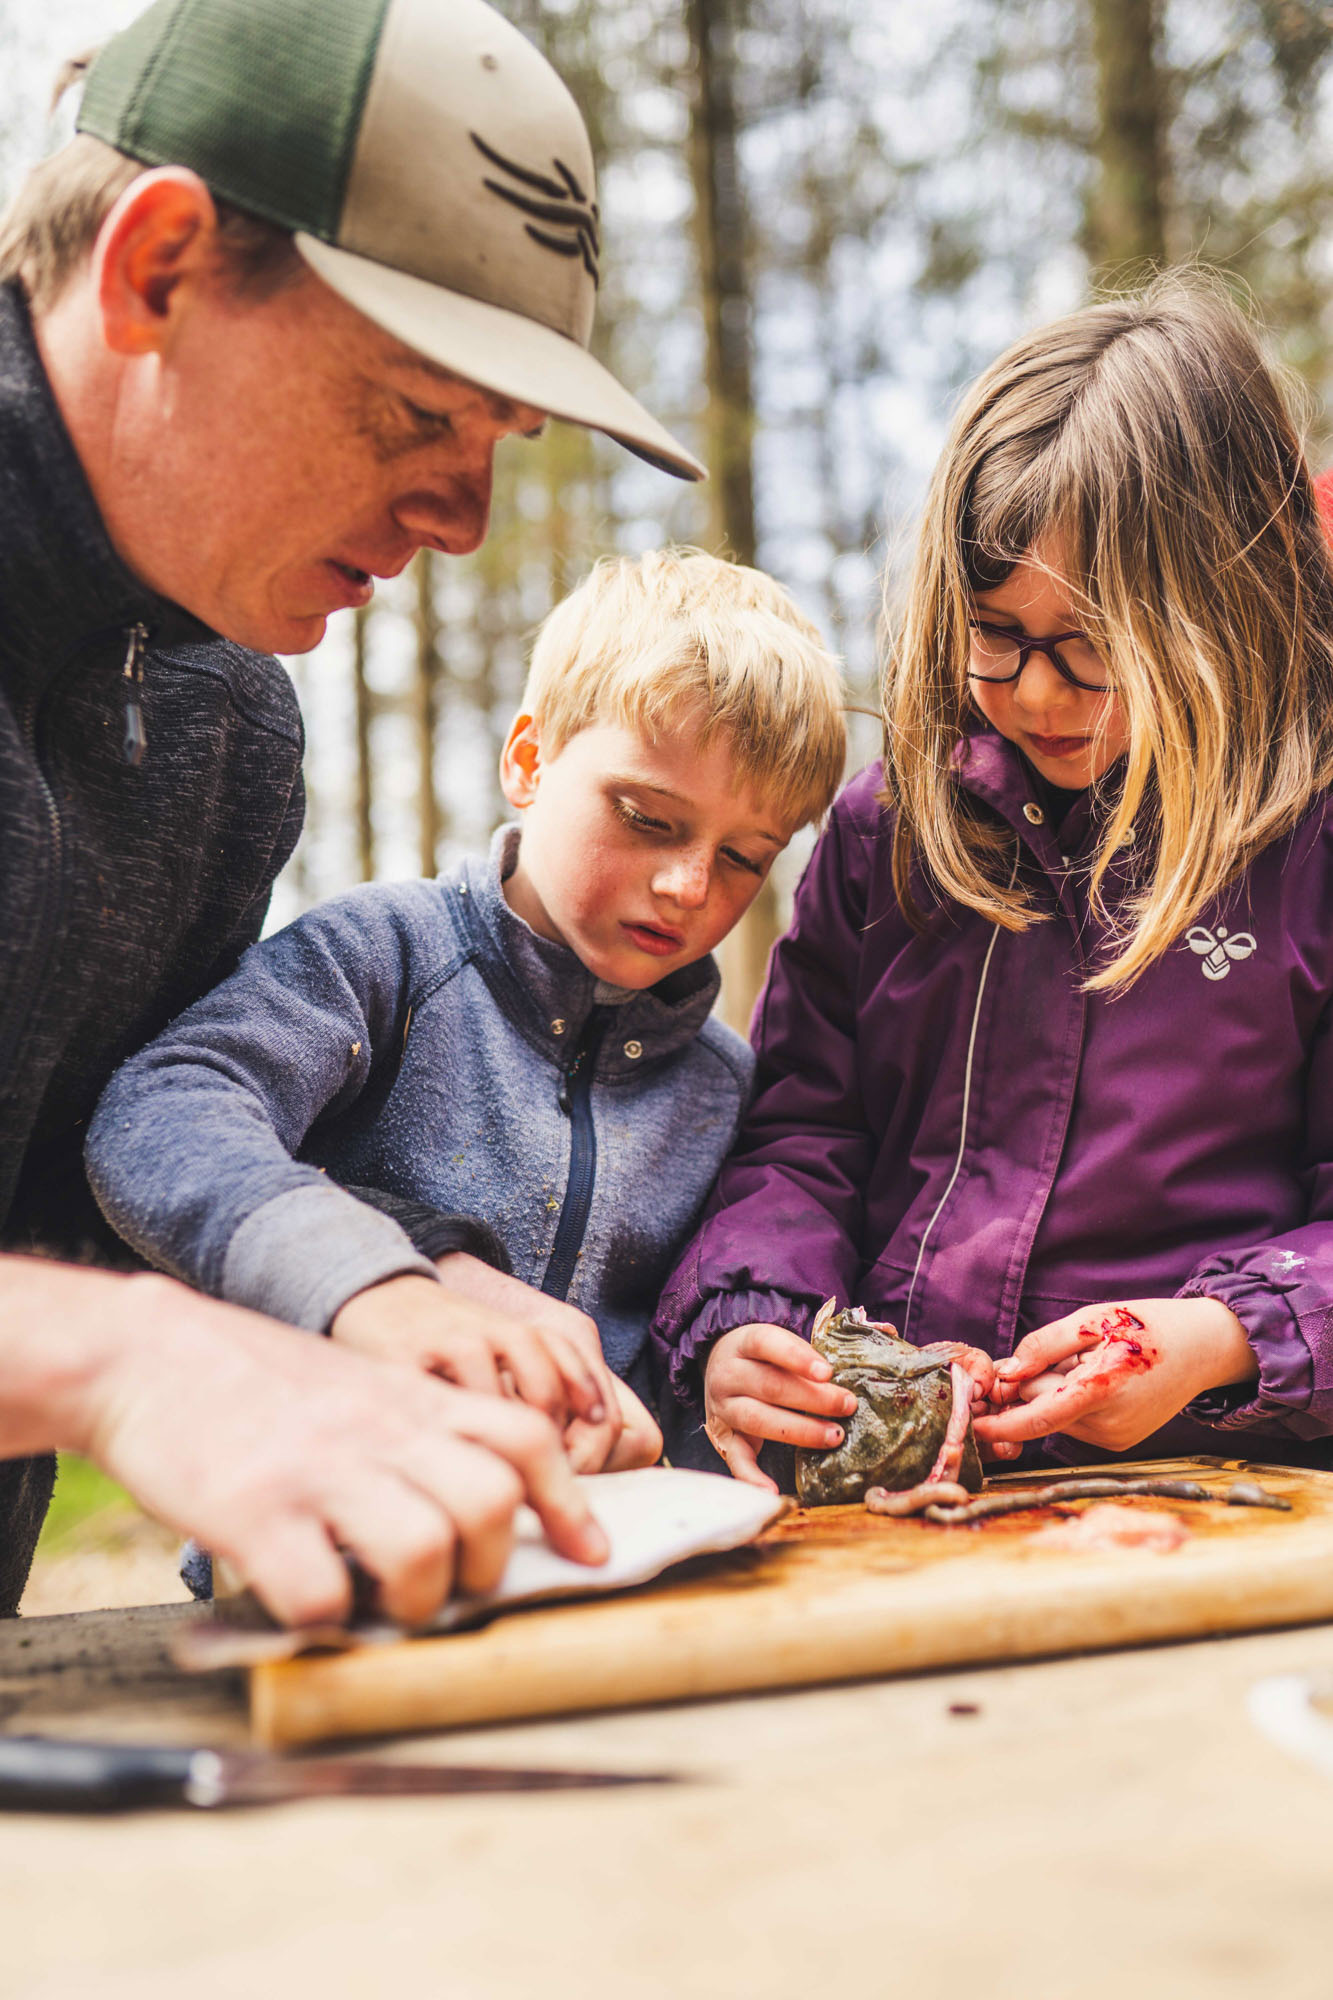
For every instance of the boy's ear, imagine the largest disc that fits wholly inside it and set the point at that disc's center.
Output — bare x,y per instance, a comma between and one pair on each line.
521,761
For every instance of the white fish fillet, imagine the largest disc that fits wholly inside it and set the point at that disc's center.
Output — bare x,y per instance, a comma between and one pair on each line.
653,1518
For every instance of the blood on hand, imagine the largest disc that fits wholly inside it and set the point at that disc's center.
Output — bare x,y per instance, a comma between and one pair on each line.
1099,1354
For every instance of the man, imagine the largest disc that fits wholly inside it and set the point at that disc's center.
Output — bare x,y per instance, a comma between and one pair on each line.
265,321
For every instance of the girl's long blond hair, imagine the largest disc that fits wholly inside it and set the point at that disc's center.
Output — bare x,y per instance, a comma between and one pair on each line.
1148,442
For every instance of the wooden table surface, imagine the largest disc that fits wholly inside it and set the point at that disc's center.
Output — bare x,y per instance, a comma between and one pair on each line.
1110,1825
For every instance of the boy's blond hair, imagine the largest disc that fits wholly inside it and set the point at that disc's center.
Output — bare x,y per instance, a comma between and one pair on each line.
678,637
1149,443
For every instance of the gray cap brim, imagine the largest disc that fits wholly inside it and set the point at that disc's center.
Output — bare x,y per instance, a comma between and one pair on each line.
500,350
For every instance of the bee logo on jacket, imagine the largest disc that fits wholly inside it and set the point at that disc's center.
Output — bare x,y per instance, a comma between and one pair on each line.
1220,948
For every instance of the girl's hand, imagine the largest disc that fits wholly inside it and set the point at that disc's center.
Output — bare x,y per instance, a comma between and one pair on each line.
763,1382
1111,1375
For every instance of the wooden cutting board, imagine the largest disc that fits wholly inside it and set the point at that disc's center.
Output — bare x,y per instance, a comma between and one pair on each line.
838,1594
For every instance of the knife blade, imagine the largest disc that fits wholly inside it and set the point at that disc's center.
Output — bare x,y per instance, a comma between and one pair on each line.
53,1774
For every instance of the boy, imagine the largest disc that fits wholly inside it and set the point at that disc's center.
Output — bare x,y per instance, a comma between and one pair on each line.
517,1058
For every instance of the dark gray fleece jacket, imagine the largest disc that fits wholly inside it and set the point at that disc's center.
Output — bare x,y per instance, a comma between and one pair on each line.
126,890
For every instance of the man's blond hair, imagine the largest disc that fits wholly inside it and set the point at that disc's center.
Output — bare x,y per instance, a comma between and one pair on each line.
679,639
50,227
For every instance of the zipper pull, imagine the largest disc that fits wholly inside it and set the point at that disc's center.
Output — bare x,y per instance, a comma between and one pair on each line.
136,736
564,1100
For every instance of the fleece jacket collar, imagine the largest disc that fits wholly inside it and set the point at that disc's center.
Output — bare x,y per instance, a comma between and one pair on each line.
547,983
61,582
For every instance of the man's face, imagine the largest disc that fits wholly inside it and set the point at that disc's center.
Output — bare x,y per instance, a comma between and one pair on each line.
639,853
282,452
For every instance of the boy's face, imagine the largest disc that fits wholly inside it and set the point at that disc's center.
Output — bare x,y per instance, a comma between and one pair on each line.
639,854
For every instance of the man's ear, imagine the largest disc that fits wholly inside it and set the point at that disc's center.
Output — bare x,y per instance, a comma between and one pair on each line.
152,250
521,761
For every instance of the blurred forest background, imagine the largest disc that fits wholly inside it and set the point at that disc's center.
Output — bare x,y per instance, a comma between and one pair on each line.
821,216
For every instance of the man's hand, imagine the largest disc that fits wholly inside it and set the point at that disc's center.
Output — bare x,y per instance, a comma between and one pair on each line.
764,1382
1111,1375
275,1449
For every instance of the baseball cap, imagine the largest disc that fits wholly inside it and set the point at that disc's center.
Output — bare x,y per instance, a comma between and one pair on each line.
433,167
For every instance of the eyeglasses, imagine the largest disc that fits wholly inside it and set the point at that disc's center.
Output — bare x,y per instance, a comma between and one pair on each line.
999,655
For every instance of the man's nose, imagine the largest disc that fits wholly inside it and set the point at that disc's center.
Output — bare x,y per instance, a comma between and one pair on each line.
684,880
453,513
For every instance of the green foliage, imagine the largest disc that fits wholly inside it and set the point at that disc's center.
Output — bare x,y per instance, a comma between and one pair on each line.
919,184
84,1500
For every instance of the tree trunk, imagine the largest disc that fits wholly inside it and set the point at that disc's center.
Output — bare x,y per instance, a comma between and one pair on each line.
424,706
721,233
1127,207
365,831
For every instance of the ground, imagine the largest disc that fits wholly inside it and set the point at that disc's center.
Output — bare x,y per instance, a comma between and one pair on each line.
98,1550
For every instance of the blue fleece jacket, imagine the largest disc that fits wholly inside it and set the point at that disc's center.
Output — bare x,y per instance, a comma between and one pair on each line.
420,1038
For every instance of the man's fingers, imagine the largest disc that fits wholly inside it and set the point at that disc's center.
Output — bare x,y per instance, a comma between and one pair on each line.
467,1361
459,1535
764,1420
291,1564
407,1540
532,1446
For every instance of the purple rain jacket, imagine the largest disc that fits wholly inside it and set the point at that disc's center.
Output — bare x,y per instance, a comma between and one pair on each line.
947,1130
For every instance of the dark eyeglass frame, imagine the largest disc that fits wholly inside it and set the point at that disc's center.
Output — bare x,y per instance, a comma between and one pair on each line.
1026,646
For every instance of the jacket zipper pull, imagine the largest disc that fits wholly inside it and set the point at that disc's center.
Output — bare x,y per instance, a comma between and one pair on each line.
136,736
564,1100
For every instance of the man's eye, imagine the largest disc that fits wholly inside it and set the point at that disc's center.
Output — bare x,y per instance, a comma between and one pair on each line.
438,422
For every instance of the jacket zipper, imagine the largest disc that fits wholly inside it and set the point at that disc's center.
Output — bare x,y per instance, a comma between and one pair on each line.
18,1016
136,736
17,1019
575,1100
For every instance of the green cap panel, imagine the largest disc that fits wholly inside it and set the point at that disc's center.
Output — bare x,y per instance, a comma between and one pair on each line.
263,101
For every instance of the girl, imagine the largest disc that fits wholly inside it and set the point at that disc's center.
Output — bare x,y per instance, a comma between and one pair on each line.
1044,1061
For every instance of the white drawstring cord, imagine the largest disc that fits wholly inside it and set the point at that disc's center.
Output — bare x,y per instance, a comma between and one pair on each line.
967,1099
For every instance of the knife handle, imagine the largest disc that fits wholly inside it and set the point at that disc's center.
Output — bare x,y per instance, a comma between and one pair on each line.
48,1774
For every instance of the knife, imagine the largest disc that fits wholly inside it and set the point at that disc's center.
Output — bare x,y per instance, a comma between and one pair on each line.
51,1774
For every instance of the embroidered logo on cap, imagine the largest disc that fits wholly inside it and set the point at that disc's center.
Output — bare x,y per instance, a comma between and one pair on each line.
1219,948
566,207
